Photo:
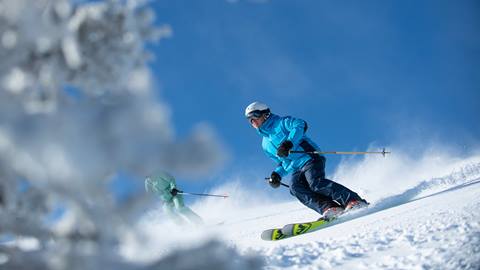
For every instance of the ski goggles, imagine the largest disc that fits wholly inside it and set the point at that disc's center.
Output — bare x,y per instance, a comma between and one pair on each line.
254,114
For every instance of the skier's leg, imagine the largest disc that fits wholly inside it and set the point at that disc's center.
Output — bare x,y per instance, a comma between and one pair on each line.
185,211
169,210
315,176
300,189
191,216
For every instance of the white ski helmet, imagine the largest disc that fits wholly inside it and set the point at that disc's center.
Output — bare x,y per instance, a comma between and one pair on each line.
256,109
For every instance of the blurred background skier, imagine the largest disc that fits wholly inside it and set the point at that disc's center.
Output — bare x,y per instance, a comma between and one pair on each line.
163,185
308,182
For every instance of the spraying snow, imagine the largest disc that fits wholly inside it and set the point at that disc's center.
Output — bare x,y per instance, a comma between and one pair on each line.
421,207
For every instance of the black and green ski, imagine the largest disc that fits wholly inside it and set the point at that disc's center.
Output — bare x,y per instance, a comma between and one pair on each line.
273,235
294,229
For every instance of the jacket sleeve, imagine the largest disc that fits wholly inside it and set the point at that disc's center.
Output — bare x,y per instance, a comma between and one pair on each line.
279,169
296,128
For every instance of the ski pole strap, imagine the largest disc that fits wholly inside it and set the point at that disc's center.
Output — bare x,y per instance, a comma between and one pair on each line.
383,152
201,194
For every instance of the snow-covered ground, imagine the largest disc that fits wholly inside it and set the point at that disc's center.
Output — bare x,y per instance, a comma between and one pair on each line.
433,224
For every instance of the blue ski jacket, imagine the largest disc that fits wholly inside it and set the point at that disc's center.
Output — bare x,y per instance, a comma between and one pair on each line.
277,129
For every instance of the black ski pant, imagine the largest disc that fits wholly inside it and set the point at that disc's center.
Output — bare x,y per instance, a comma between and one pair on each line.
312,189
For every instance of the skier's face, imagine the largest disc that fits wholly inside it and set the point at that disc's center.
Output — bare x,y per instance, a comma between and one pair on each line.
257,122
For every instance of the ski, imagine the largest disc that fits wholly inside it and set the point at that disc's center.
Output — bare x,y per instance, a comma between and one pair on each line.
273,235
294,229
305,227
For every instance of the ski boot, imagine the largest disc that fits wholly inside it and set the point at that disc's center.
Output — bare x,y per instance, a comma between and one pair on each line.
332,213
356,204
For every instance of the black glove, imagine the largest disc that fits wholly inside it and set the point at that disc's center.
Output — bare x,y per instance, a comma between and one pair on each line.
174,191
284,148
275,179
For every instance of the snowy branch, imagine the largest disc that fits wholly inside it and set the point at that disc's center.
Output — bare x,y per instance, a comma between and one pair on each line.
76,107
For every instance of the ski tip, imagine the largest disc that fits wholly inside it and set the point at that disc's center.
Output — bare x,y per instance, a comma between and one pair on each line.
267,235
273,235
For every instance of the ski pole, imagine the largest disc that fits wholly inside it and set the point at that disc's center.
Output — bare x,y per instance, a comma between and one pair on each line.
383,152
201,194
281,183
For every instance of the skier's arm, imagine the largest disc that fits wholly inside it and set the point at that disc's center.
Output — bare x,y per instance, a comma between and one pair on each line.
296,128
279,169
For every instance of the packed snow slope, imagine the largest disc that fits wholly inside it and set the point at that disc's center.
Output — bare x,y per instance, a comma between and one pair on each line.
433,223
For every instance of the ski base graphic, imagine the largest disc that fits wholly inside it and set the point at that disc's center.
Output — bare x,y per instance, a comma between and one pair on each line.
294,229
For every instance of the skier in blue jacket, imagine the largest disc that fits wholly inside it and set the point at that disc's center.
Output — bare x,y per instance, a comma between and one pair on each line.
308,182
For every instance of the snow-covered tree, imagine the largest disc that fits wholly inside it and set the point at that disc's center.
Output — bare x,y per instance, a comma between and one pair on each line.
76,107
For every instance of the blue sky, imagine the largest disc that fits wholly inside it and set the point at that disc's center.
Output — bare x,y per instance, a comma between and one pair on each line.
359,72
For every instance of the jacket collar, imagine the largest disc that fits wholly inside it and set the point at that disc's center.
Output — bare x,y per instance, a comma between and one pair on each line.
268,126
